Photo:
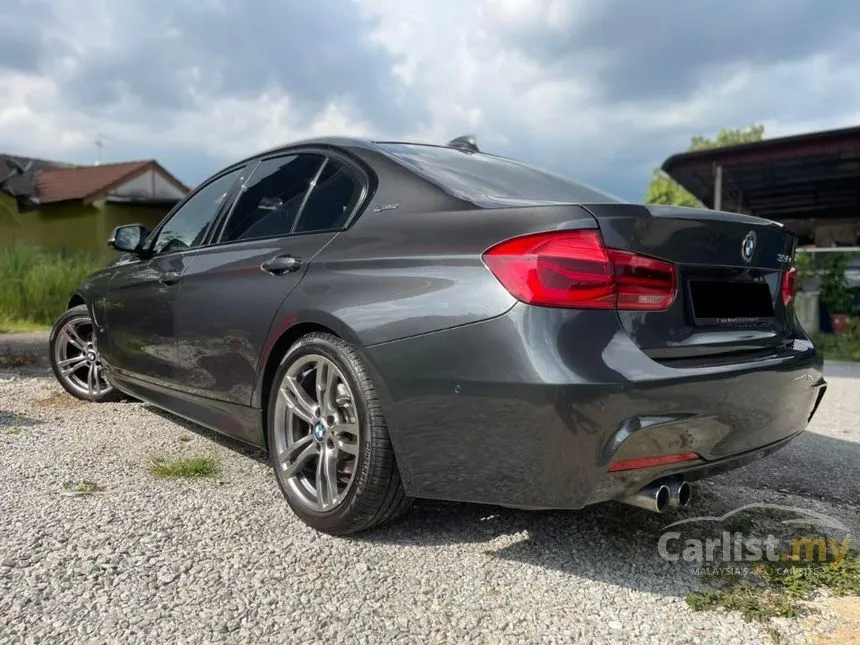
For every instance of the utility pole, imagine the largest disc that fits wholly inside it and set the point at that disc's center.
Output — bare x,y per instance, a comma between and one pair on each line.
100,142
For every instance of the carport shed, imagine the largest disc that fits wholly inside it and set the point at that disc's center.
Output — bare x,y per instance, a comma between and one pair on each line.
810,182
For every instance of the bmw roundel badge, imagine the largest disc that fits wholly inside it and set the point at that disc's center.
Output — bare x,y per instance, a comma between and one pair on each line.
748,246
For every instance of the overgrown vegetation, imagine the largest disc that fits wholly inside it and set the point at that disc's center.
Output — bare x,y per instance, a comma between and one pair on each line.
845,347
35,285
778,589
805,268
17,326
751,603
836,298
192,467
834,294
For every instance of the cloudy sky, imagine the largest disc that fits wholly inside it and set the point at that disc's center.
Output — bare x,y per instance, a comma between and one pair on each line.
600,90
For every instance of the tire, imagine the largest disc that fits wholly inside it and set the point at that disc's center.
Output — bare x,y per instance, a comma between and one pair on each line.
373,493
88,382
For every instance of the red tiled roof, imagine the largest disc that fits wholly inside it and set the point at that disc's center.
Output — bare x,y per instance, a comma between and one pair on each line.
82,182
88,182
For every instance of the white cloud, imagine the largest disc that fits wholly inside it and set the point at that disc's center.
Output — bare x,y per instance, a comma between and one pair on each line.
514,72
223,127
461,57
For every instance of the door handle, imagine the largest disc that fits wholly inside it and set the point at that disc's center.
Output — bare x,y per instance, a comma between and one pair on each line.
281,264
169,277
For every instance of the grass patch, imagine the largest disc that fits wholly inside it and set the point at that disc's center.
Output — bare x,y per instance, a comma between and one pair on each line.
753,604
14,432
779,589
83,487
192,467
840,579
18,326
35,285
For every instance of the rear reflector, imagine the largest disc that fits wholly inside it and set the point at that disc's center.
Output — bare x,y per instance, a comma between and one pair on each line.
787,287
574,269
649,462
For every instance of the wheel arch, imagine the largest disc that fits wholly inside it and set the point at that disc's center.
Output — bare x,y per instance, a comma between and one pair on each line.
281,338
76,300
288,332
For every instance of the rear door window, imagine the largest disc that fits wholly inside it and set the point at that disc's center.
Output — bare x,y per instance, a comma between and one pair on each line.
333,198
270,202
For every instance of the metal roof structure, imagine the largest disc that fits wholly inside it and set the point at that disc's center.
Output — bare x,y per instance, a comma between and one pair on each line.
813,175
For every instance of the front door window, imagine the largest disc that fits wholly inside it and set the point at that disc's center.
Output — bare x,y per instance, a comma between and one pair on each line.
188,226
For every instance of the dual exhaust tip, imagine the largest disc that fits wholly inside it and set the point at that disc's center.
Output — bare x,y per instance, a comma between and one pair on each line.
660,495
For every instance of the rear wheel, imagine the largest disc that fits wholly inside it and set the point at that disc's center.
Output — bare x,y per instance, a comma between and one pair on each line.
75,357
328,440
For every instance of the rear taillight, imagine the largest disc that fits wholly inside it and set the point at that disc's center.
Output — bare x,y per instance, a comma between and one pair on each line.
787,286
574,269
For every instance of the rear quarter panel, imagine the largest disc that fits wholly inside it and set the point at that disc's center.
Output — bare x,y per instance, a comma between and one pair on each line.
402,273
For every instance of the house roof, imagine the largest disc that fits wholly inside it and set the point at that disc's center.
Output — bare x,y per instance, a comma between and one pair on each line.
33,181
18,174
89,182
816,174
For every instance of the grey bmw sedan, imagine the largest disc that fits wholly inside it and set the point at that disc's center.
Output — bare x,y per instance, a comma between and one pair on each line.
393,320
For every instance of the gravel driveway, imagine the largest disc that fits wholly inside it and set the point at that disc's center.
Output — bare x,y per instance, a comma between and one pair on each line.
223,560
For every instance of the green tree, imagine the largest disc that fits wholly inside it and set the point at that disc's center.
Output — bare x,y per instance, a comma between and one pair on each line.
665,190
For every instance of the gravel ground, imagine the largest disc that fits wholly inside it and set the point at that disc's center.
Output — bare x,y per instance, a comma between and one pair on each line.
224,560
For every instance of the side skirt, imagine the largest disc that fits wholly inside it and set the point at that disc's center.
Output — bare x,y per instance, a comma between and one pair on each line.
239,422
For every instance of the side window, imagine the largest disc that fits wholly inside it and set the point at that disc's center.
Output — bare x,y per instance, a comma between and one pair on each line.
332,199
272,197
187,227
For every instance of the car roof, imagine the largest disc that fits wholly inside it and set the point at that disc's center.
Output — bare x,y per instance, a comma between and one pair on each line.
345,142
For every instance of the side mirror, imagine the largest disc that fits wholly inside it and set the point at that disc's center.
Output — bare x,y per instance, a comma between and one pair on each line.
128,239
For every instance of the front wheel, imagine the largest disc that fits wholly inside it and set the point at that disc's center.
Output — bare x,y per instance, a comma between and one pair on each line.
75,357
328,440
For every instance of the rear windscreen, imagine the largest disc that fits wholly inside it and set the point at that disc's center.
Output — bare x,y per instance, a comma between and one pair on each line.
488,180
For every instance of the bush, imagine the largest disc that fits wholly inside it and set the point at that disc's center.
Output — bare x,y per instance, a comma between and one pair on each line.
805,269
835,296
35,285
845,347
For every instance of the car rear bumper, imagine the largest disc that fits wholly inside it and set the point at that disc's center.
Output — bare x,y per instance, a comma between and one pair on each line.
529,409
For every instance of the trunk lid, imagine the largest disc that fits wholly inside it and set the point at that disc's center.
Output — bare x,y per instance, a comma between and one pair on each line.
729,271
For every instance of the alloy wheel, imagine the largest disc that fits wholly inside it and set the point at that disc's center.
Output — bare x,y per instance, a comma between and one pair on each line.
77,358
317,434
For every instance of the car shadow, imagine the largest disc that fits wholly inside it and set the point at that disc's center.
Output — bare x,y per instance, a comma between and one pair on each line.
26,354
618,544
611,543
10,421
816,466
615,543
210,435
